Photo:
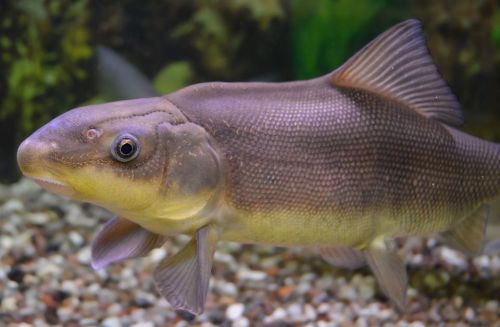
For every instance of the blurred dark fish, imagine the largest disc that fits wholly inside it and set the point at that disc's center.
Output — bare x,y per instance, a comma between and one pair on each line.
118,79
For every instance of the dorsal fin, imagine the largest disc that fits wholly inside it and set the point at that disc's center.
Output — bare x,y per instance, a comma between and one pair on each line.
398,65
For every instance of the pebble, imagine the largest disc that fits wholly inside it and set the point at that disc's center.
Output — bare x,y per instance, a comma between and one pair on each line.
270,262
12,205
37,218
53,284
114,309
225,288
295,312
252,275
235,311
469,314
310,313
84,255
9,304
347,292
492,305
143,324
158,254
65,314
47,268
278,314
241,322
112,322
76,238
325,282
453,258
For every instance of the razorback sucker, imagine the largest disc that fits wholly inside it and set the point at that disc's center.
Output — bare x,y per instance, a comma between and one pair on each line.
341,164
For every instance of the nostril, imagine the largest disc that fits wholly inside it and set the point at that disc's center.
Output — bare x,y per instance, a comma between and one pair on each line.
54,146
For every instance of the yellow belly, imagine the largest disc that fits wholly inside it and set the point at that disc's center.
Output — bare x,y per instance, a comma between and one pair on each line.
329,229
296,229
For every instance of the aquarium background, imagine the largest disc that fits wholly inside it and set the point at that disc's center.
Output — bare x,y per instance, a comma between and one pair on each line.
59,54
49,62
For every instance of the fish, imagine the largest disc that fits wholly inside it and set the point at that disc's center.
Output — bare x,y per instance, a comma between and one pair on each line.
341,164
118,79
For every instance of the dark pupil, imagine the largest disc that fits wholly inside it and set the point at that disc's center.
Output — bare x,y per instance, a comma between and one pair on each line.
126,148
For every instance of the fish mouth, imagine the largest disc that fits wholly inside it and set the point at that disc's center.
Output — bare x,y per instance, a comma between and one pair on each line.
54,186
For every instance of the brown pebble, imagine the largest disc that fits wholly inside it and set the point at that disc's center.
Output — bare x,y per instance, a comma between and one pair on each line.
285,291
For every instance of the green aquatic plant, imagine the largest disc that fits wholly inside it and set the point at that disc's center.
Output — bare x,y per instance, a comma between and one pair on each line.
323,32
45,53
217,31
173,76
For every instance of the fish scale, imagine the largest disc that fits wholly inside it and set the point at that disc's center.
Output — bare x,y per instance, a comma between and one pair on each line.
366,153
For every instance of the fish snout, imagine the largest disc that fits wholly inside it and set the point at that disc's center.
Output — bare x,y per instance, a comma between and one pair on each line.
32,153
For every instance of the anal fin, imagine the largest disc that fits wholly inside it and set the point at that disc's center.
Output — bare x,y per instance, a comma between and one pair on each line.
467,236
183,279
389,270
342,256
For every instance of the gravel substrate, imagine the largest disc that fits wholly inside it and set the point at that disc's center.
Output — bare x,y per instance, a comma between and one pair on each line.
46,279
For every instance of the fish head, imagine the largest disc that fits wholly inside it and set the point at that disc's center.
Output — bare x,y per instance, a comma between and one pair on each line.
140,159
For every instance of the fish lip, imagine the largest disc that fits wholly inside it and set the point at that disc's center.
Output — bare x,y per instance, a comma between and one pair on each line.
54,186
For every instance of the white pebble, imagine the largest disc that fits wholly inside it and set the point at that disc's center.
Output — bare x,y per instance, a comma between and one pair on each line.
235,311
278,314
76,238
309,312
323,308
84,255
492,305
114,309
143,324
46,268
469,314
347,292
12,205
295,311
482,262
453,258
325,282
70,287
303,288
9,304
252,275
225,288
241,322
158,254
37,218
361,322
112,322
65,314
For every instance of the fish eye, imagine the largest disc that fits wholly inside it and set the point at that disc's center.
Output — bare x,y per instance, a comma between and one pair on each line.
125,148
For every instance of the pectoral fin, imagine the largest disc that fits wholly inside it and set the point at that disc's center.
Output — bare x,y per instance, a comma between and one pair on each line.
343,256
389,270
183,279
468,235
120,239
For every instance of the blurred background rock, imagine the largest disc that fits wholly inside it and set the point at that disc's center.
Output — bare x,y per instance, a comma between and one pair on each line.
48,50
